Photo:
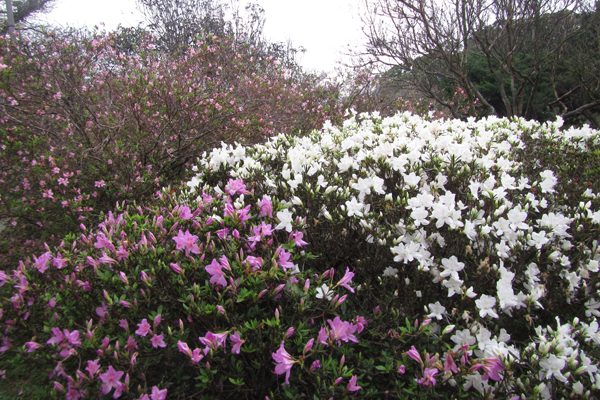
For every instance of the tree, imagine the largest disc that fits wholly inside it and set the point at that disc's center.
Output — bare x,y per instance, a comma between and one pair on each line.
23,10
179,23
499,53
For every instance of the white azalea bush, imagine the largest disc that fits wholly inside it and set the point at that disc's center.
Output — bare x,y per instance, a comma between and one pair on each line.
397,257
488,228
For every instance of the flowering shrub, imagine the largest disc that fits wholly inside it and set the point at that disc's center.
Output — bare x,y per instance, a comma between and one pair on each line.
86,121
394,257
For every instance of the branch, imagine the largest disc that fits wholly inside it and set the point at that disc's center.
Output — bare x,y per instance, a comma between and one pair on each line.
581,109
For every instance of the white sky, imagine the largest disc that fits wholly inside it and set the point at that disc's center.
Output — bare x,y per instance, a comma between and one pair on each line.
325,28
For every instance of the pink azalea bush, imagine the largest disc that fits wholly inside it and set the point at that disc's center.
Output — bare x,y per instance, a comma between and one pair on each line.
400,255
86,121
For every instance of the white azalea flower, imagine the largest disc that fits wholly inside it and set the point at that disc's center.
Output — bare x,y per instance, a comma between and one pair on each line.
436,310
324,291
451,267
486,306
552,365
353,207
285,220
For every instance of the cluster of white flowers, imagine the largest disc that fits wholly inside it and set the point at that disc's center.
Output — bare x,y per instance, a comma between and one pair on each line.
460,182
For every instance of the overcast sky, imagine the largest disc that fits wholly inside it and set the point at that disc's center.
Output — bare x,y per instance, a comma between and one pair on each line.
325,28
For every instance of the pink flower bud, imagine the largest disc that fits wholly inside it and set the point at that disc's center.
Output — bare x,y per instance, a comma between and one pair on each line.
278,289
308,345
289,333
306,285
59,387
176,268
338,381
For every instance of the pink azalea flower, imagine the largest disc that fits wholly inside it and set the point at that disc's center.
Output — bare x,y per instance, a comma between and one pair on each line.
284,259
414,354
352,385
32,346
297,237
103,243
93,367
449,364
346,279
236,342
284,362
213,341
131,344
110,380
158,394
73,337
57,337
107,260
41,263
322,338
185,213
157,341
428,377
144,328
235,186
342,330
254,262
3,278
122,254
186,242
361,323
222,233
217,277
59,262
266,207
184,348
492,367
124,324
196,356
316,364
102,311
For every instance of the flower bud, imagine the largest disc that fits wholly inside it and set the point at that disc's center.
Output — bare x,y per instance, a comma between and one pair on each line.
308,345
289,333
448,329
